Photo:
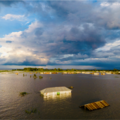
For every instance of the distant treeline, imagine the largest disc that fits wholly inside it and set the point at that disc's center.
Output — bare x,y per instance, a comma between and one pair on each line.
58,69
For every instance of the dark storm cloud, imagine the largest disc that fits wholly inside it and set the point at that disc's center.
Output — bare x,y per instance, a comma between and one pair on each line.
26,63
10,2
76,12
8,41
103,65
39,31
77,41
108,64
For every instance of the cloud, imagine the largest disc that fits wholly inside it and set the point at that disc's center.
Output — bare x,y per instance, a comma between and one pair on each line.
19,53
8,41
110,46
13,17
37,44
65,33
77,12
73,40
10,2
107,15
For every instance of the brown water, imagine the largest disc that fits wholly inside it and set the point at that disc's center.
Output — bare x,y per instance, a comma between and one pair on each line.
87,88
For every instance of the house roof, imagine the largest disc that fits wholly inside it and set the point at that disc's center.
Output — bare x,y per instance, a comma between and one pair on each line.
55,89
96,105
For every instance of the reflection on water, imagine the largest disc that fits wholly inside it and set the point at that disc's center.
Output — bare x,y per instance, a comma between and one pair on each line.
87,89
54,96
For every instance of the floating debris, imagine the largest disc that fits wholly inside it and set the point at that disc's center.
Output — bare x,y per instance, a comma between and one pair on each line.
95,105
71,87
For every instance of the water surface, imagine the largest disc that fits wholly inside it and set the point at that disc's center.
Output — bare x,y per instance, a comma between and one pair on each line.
87,88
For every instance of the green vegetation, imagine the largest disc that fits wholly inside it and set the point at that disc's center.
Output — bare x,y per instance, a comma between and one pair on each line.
75,73
58,93
38,70
24,75
116,77
31,111
67,70
40,77
34,76
23,93
4,70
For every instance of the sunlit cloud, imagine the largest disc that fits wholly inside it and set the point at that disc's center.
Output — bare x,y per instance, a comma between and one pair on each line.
14,17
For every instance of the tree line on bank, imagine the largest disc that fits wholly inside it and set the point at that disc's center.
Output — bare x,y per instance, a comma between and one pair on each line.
59,69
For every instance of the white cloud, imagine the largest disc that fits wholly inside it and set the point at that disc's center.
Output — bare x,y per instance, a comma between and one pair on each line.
13,17
105,4
109,46
33,26
21,49
108,14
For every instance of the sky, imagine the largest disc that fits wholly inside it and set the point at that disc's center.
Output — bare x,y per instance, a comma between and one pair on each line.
79,34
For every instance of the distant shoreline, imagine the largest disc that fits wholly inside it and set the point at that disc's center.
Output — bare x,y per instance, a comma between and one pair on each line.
67,71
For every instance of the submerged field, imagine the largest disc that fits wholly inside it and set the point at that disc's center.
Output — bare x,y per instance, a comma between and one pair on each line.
86,88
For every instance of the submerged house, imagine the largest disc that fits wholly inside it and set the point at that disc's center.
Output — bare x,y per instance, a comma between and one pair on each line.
95,105
102,73
83,72
47,72
54,72
78,72
87,72
96,73
55,91
41,73
108,73
64,73
70,72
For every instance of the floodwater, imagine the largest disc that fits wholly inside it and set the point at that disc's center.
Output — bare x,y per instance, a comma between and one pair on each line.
87,88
